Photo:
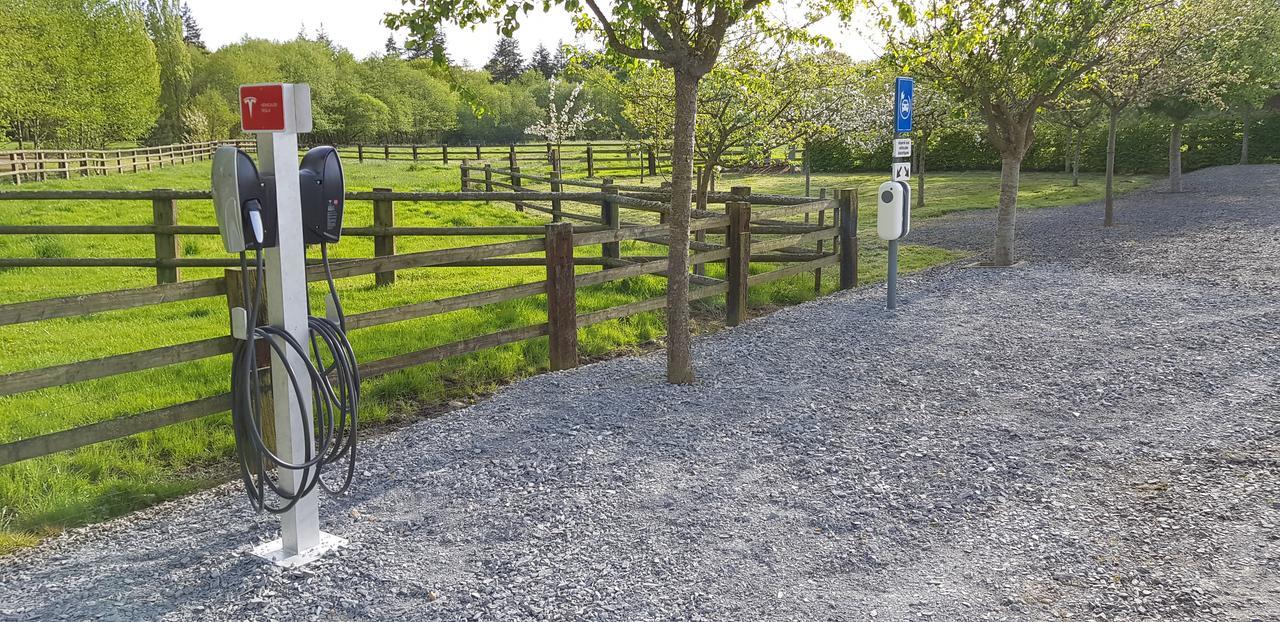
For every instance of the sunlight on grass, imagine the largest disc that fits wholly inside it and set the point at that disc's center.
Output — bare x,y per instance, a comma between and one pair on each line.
37,497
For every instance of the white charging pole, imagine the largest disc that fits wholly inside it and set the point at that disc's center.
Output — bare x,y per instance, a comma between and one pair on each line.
286,279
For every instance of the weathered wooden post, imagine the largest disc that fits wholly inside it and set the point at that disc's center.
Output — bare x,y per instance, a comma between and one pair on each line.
488,177
465,181
609,214
562,302
556,204
386,152
591,165
479,156
653,162
384,245
40,173
699,202
444,153
511,155
360,152
414,146
516,186
848,215
66,164
237,282
164,213
822,217
739,242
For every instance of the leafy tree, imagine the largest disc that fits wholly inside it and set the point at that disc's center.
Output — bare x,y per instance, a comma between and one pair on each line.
1075,112
1005,59
1153,54
77,72
1250,55
191,32
506,64
165,25
211,117
681,35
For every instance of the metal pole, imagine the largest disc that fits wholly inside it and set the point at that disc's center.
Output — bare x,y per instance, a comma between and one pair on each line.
893,274
287,308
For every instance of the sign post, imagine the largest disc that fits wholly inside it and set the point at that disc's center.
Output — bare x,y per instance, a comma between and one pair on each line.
903,115
277,113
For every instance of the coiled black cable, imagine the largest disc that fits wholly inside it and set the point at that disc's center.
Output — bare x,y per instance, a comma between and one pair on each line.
330,426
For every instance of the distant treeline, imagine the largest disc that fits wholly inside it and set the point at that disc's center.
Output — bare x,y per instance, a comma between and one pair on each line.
1142,146
87,73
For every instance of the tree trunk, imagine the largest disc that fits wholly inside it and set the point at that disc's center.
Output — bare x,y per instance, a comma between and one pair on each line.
1108,218
1007,212
1245,115
1075,159
1071,145
679,357
1175,156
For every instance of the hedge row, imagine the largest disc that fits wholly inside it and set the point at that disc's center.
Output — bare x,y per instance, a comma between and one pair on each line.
1142,146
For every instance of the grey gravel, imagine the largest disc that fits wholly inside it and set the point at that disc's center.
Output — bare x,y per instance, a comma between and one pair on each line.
1092,436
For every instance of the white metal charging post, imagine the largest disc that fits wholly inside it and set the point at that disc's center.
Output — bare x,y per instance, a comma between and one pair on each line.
893,218
277,113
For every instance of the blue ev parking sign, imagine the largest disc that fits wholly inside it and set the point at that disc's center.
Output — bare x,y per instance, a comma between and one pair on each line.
904,103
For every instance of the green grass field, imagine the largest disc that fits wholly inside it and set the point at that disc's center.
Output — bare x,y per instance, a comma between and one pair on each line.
40,496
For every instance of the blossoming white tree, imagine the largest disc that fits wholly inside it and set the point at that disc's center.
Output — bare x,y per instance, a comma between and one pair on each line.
562,122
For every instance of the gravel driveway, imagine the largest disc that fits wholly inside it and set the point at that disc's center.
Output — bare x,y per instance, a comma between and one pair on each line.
1095,435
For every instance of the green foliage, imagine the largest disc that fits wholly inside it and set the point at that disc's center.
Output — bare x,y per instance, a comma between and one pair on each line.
1141,147
165,25
77,71
507,63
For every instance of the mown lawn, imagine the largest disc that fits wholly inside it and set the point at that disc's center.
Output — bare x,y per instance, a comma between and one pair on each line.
40,496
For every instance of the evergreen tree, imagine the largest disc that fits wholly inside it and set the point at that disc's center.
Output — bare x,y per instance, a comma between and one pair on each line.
391,48
439,55
543,62
507,63
561,60
190,29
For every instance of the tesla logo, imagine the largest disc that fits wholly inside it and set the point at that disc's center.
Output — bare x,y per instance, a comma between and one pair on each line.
262,108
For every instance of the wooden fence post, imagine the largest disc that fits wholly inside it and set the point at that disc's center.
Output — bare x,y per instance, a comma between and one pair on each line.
479,156
515,182
66,164
386,152
384,245
488,177
360,153
848,215
822,218
40,172
511,155
591,164
653,162
415,152
444,153
164,213
562,303
739,242
700,235
609,214
465,185
237,280
556,204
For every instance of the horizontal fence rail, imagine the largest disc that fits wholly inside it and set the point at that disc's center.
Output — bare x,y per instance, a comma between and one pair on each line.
745,231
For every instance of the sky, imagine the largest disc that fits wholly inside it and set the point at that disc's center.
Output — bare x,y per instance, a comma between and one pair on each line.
357,26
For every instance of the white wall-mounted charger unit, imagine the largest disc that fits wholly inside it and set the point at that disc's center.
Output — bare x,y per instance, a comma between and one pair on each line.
893,213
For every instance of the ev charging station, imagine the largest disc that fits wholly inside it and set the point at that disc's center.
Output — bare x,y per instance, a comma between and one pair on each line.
893,201
272,212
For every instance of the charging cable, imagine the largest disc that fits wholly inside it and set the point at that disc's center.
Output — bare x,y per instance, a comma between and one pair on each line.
329,415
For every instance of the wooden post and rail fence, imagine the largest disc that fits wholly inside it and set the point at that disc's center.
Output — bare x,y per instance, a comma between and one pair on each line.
610,158
755,228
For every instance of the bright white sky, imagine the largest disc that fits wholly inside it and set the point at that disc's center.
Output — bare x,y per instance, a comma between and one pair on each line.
357,26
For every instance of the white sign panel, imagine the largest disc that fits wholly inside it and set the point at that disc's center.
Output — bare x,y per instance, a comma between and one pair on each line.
902,147
901,171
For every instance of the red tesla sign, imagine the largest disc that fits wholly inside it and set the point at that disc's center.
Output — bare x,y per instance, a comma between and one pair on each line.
262,108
